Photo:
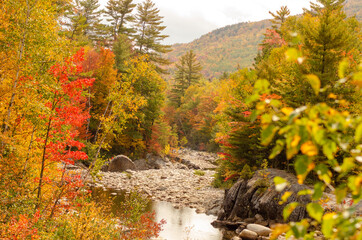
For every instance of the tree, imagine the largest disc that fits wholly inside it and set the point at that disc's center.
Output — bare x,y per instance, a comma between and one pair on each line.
273,38
146,84
122,49
84,22
328,37
279,18
120,13
148,37
188,73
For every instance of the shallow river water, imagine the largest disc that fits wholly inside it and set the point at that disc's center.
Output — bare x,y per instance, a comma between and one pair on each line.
181,224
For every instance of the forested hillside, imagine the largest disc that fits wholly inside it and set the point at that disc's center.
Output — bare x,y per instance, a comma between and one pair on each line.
238,42
227,48
76,92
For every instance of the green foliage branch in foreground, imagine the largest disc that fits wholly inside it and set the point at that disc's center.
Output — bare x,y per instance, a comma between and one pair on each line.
324,141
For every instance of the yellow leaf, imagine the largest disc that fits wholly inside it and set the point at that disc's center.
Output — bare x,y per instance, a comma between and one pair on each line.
333,96
314,82
285,197
309,149
278,230
300,179
287,110
295,141
311,166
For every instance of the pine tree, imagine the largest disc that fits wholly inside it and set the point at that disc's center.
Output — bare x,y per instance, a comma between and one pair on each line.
122,49
273,38
148,38
84,21
120,12
279,18
327,37
188,73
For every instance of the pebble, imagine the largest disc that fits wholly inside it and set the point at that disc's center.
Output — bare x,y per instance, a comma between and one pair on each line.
259,229
249,235
182,187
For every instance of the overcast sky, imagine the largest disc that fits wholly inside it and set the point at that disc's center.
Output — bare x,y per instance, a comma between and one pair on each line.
187,20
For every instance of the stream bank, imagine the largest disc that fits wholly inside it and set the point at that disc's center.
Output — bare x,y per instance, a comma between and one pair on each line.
172,180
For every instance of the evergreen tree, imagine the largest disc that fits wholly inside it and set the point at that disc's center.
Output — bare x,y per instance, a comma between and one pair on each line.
188,73
273,38
120,12
122,49
279,18
149,37
84,21
327,36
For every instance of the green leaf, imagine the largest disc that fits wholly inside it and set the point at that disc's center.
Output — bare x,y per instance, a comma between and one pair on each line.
315,211
329,149
342,68
324,173
252,98
305,192
314,82
319,136
279,146
318,190
327,224
262,86
348,164
254,115
301,165
289,209
268,134
341,193
292,54
275,103
280,183
358,134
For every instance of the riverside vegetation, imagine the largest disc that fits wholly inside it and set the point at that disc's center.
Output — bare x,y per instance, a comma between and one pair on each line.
74,90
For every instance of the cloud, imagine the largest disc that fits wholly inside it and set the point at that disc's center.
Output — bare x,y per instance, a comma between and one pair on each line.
183,29
187,20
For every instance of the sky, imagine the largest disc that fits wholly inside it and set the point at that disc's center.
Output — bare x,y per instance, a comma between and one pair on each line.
187,20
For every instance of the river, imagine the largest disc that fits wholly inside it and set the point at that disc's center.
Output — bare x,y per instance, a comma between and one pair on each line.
181,224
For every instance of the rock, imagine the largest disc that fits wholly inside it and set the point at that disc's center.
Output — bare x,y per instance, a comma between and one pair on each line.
226,224
141,164
104,168
249,220
121,163
259,217
263,223
240,229
247,234
259,229
246,198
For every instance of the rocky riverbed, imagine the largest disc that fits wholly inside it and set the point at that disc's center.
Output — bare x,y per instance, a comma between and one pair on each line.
173,180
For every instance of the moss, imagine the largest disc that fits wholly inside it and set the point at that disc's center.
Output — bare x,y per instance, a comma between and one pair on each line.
199,172
246,173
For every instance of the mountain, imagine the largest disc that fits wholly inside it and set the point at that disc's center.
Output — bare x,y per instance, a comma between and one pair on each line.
225,49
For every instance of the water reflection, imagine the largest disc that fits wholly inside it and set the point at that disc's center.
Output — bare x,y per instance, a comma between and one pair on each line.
182,224
185,223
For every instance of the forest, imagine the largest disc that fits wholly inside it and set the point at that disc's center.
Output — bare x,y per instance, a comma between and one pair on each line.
80,85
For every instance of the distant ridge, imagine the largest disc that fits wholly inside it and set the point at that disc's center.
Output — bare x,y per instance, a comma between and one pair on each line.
227,48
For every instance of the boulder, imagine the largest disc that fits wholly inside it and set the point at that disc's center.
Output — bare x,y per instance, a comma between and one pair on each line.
247,198
247,234
141,164
259,229
121,163
151,162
